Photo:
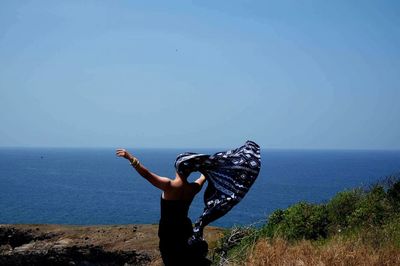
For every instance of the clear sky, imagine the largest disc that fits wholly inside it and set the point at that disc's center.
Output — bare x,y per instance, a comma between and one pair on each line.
286,74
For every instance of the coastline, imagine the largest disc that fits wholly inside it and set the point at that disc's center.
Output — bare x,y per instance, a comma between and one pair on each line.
55,244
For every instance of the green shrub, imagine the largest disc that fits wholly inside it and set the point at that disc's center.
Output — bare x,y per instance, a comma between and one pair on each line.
393,195
372,209
371,217
391,230
341,207
302,220
273,223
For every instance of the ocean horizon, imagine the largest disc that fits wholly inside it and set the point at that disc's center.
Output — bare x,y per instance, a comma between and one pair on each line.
78,185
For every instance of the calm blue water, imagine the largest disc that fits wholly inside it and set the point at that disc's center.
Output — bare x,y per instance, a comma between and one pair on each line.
92,186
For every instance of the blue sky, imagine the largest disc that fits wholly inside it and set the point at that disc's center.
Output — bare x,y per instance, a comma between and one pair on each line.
287,74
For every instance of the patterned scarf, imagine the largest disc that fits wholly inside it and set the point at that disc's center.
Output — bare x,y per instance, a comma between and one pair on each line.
230,175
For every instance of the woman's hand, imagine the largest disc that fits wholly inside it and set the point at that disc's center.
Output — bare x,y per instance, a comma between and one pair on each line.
124,153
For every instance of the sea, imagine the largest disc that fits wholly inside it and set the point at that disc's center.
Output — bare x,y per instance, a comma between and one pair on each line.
91,186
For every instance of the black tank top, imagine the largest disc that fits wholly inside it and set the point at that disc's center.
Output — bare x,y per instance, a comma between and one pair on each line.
174,210
175,227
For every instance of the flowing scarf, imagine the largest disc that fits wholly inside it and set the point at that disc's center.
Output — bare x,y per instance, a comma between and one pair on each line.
230,174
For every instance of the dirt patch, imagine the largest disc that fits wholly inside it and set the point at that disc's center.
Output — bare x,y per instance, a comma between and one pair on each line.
84,245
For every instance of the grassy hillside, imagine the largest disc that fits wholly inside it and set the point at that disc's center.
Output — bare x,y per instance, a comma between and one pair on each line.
356,227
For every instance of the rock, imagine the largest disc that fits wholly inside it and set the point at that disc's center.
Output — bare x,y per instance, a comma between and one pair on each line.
24,248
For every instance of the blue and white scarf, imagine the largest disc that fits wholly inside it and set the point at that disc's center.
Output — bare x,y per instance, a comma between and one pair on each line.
230,174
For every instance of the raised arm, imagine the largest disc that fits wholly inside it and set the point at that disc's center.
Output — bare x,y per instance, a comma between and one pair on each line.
200,181
160,182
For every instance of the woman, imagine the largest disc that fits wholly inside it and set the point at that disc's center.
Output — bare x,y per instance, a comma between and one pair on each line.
230,175
175,228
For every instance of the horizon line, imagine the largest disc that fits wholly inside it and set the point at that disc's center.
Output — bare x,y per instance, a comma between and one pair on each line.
193,148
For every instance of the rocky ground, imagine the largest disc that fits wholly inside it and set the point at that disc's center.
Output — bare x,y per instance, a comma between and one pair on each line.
84,245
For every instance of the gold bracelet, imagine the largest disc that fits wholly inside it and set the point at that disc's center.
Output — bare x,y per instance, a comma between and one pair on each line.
134,162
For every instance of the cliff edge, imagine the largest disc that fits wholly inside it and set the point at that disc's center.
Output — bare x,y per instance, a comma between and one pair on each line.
42,244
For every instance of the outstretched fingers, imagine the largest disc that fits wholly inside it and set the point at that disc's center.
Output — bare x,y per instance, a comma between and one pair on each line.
120,152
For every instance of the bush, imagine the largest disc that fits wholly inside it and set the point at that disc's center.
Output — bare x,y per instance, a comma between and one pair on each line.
372,209
370,217
393,195
273,223
341,207
235,244
300,221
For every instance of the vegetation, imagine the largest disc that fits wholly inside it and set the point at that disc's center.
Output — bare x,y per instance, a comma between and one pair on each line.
359,226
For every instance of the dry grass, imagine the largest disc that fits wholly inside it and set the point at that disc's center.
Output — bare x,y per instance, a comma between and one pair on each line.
336,252
357,227
248,246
